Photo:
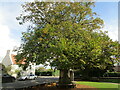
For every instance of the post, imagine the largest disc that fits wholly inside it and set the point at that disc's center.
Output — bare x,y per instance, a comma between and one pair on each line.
72,75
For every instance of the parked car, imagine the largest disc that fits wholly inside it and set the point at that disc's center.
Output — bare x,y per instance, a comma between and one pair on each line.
23,77
31,76
6,78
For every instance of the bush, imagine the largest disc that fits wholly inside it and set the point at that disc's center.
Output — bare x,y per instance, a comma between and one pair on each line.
88,73
112,74
44,73
6,78
111,80
56,73
47,73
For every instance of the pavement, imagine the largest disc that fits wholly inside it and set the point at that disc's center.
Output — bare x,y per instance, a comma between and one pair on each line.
29,83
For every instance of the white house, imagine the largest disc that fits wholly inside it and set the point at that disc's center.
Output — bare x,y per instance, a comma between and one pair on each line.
117,67
9,60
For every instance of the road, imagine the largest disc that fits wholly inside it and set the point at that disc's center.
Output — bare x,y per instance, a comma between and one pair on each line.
29,83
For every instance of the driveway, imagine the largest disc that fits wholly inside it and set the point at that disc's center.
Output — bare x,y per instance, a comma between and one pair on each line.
29,83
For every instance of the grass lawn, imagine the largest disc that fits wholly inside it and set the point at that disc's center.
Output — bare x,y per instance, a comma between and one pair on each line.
100,85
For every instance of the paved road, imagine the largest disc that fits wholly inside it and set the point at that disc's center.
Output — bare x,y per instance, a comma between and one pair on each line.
28,83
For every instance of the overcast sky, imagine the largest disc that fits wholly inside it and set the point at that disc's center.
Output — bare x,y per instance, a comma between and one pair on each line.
10,30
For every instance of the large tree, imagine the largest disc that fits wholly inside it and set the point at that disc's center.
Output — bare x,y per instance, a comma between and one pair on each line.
65,34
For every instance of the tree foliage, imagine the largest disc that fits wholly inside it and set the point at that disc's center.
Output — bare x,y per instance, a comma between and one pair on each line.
66,34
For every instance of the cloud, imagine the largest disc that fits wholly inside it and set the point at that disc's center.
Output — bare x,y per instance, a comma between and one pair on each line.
16,1
10,31
106,0
112,28
5,41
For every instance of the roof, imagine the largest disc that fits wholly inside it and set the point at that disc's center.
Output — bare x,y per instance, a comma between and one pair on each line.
14,60
7,59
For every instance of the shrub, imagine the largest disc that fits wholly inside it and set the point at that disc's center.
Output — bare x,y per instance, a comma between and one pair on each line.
112,74
44,73
111,80
47,73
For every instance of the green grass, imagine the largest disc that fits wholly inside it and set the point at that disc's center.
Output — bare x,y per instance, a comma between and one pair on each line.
100,85
112,80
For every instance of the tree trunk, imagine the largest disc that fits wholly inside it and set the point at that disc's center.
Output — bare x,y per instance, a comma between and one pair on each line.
64,78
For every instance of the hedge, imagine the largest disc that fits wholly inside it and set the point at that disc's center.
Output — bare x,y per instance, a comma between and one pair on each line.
112,74
47,73
44,73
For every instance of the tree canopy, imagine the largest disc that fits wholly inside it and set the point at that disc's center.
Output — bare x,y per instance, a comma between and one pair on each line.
66,34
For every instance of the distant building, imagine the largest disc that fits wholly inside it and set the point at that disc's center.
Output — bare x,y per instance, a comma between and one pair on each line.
9,60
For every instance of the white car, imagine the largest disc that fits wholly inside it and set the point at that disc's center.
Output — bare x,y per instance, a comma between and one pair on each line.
22,78
31,76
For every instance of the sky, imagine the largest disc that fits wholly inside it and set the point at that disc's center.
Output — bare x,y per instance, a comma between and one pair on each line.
10,30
